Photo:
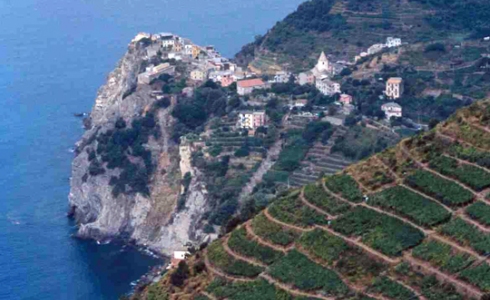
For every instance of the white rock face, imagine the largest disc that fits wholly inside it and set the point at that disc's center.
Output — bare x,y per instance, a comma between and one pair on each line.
147,220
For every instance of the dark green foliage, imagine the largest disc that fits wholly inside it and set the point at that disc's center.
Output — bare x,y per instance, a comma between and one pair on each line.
259,289
273,232
242,152
292,210
318,196
162,103
239,243
470,175
448,192
302,273
314,129
470,154
345,186
479,212
95,168
323,245
178,277
436,47
382,232
222,260
479,276
392,289
409,204
115,146
186,181
467,234
442,256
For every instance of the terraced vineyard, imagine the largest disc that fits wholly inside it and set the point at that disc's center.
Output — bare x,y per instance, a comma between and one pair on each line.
416,227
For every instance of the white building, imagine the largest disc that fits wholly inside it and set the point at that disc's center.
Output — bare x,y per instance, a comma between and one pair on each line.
375,48
393,42
392,109
168,40
198,75
394,87
251,120
154,72
306,78
245,87
327,87
281,77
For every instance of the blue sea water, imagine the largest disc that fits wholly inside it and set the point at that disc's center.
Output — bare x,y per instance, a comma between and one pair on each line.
54,54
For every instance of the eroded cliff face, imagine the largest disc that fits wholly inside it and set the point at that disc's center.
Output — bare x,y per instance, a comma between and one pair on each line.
151,220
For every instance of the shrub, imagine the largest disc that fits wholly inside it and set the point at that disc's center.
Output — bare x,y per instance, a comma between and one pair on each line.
323,245
219,258
178,277
409,204
292,210
442,256
392,289
302,273
345,186
273,232
467,234
259,289
479,212
382,232
319,197
470,175
446,191
239,243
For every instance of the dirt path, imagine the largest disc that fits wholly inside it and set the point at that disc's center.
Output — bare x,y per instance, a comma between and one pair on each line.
461,286
258,239
478,126
467,162
209,295
417,293
217,272
240,257
293,291
265,166
335,195
445,240
314,207
272,219
481,227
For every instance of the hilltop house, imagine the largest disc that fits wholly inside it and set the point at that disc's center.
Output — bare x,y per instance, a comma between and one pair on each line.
345,99
392,109
245,87
177,258
393,42
153,73
394,87
168,40
251,120
281,77
198,75
327,87
306,78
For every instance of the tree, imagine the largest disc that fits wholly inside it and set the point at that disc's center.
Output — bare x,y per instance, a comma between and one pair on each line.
345,72
180,275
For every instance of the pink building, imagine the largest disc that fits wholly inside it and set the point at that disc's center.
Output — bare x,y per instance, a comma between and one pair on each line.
345,99
226,80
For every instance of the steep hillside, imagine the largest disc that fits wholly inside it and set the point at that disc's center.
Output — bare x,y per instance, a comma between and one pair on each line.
345,28
411,222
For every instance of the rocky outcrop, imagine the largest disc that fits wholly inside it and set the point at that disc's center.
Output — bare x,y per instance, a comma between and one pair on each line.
151,220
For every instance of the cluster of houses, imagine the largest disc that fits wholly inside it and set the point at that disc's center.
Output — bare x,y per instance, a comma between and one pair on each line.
391,42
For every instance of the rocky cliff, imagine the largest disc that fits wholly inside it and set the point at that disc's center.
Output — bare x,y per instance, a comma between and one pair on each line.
103,201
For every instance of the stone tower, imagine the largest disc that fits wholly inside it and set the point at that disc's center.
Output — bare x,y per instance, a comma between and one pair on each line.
323,64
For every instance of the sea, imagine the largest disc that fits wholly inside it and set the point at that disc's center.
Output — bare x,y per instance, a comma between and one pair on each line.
54,55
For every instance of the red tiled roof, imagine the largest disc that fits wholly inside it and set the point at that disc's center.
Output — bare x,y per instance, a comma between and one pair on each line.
250,83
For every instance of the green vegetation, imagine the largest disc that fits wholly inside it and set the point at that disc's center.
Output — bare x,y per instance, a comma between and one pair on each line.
273,232
467,234
361,142
239,243
470,175
479,276
379,231
442,256
116,147
345,186
222,260
259,289
411,205
302,273
448,192
430,287
292,210
323,245
392,289
470,154
479,212
316,195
